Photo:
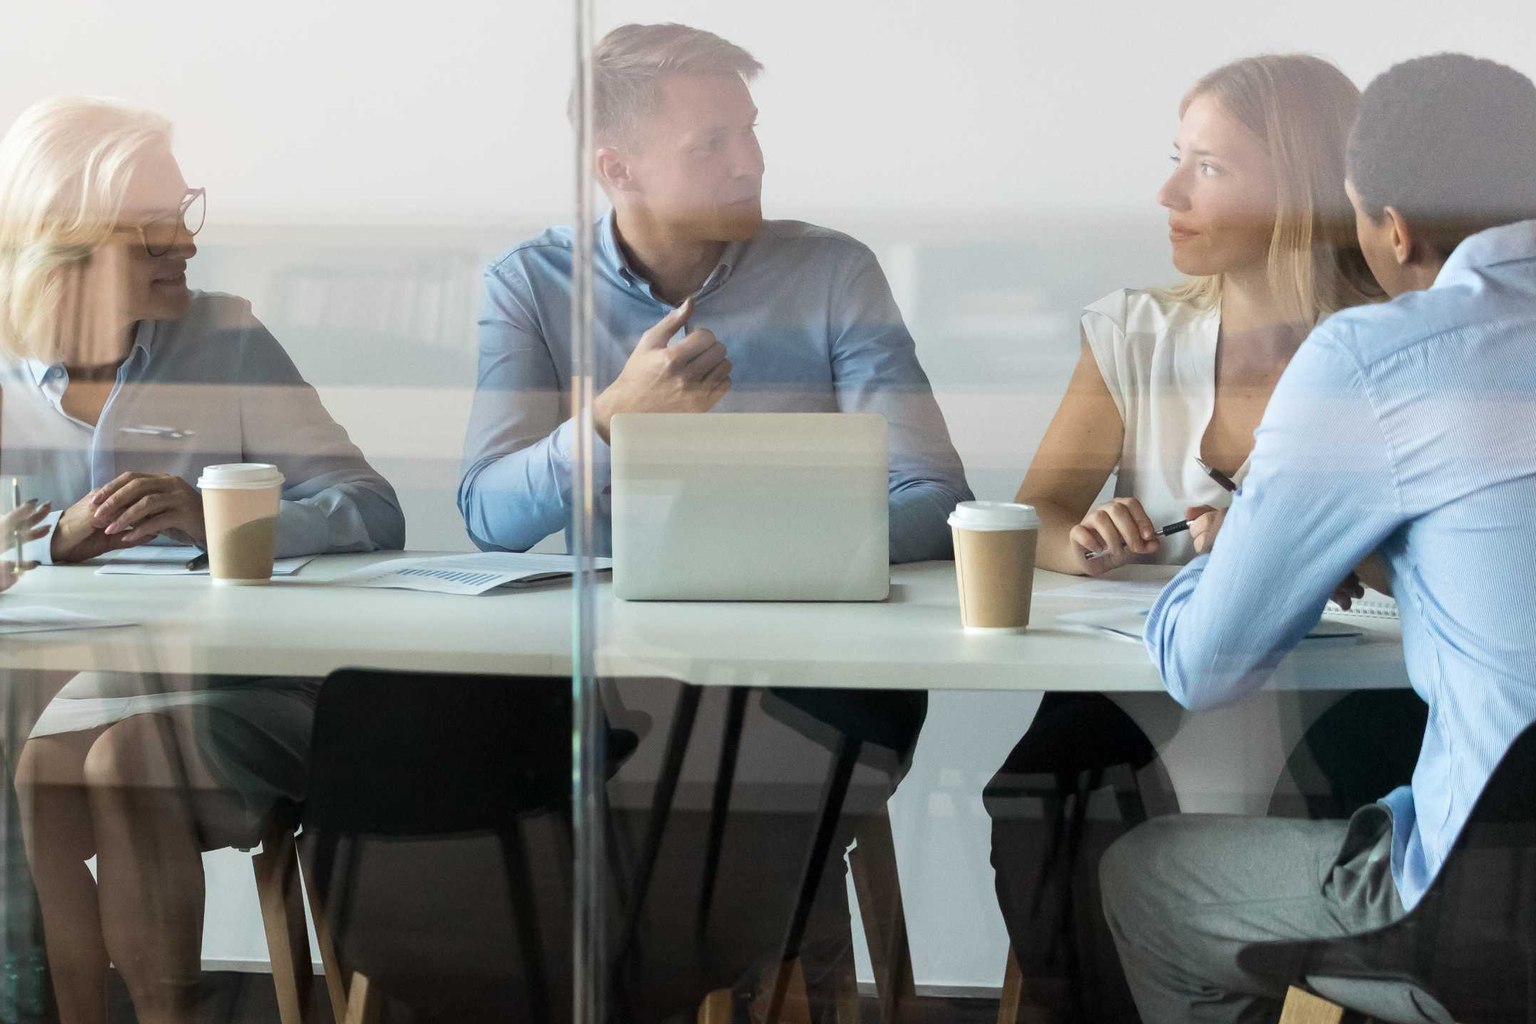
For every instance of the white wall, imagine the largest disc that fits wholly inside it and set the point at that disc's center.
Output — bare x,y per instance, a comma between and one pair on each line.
363,161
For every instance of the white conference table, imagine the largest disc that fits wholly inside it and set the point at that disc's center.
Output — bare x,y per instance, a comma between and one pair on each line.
304,625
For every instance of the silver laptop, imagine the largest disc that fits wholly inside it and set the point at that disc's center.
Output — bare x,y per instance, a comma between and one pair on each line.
750,507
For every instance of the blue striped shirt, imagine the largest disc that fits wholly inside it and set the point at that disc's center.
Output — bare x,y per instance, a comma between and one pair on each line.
810,326
1407,428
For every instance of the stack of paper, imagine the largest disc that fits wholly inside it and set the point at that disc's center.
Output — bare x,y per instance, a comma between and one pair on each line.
466,574
1131,624
37,620
170,560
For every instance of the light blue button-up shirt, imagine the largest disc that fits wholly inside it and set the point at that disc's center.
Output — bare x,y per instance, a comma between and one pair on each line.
1407,428
810,326
210,387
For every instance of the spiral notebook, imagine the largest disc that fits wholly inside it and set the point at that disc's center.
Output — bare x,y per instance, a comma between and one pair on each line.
1374,605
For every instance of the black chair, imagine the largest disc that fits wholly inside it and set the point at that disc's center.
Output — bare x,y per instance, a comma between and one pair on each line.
402,755
1362,746
1076,745
876,727
1470,943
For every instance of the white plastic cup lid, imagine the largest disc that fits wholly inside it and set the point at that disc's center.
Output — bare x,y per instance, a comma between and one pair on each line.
240,476
994,515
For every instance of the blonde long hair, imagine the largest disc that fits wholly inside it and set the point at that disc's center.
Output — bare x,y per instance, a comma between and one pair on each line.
65,166
1303,108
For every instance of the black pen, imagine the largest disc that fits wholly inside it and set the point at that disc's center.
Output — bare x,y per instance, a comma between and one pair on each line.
1166,531
1222,480
200,562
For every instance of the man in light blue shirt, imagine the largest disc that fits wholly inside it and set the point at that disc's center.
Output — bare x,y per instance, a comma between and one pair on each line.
1407,429
779,316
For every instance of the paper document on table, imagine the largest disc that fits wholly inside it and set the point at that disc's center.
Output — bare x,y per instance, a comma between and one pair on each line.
1140,591
466,574
171,560
1131,623
37,620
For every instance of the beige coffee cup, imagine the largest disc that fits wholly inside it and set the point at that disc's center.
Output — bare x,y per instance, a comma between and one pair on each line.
240,502
994,564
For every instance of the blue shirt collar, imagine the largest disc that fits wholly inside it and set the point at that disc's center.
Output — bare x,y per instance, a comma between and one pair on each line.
143,338
610,256
1502,244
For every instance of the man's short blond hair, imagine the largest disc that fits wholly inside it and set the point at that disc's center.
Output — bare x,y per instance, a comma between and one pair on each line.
630,61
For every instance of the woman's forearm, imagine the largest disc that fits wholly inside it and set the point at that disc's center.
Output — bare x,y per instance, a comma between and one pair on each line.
1056,551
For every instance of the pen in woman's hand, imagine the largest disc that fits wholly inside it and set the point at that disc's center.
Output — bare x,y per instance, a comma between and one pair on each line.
200,562
1166,531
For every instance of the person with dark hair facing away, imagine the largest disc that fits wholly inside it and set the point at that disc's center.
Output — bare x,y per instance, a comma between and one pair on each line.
1404,428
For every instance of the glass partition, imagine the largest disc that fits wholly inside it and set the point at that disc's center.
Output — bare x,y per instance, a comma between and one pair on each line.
880,742
262,237
840,512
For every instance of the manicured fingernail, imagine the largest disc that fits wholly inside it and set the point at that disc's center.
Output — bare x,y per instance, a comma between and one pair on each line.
114,528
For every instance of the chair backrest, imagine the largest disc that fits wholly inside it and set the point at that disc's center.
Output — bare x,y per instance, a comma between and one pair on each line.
418,754
1471,940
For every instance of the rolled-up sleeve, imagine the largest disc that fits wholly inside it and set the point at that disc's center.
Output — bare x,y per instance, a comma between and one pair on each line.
1320,495
515,482
333,500
875,369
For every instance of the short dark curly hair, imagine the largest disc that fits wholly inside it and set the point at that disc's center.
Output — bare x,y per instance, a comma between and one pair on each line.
1449,141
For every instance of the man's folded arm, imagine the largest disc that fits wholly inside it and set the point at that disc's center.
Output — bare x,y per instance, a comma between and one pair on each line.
875,369
515,481
1321,494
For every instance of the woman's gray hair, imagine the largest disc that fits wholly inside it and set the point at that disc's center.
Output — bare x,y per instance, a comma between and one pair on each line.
65,165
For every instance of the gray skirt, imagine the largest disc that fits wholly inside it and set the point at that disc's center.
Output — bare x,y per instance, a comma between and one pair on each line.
252,734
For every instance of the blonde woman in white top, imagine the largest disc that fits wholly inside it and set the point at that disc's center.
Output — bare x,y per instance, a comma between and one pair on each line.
1259,222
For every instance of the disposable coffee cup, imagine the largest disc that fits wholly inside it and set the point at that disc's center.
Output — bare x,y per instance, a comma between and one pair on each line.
994,564
240,502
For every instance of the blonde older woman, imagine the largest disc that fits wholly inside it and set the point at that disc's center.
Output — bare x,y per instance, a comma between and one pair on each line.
120,384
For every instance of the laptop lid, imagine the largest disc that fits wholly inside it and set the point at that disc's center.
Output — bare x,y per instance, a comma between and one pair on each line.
750,506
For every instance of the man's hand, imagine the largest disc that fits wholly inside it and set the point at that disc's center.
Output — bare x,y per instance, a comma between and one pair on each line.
1119,529
690,376
139,507
17,527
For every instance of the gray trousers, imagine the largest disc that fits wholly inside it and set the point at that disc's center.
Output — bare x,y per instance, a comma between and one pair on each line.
1184,893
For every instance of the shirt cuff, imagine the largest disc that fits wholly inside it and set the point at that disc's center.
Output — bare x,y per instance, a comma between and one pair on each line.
301,530
41,550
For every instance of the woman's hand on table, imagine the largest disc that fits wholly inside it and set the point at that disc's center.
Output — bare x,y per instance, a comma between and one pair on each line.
1120,529
138,507
17,527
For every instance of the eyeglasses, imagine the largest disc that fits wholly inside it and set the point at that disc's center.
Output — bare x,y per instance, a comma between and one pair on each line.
159,235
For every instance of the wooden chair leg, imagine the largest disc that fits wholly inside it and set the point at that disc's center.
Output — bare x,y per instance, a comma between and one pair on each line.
1302,1007
716,1007
335,978
364,1001
795,1008
282,915
1013,991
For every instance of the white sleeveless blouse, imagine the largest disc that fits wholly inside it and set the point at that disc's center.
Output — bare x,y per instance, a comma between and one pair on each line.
1158,358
